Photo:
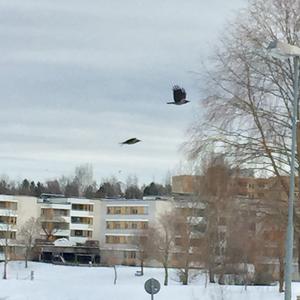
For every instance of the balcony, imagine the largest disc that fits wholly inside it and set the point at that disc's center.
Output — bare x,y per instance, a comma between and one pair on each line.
81,226
55,219
78,239
123,231
56,207
8,212
11,242
81,213
7,227
62,232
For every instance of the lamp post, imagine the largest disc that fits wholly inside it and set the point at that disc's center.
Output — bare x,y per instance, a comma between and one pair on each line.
283,51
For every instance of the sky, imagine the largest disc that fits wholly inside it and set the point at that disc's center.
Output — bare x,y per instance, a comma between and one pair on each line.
79,77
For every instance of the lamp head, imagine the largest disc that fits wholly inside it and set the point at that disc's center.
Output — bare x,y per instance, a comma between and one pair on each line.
283,50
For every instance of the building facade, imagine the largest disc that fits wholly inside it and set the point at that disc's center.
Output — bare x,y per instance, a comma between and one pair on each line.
113,223
123,221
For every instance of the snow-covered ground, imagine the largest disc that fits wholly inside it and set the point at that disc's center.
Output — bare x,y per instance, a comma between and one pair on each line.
83,283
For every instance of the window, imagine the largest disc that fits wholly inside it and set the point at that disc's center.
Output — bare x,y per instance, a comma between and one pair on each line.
129,254
134,211
134,225
75,220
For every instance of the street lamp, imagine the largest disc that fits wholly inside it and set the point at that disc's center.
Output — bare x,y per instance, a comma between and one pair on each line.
283,51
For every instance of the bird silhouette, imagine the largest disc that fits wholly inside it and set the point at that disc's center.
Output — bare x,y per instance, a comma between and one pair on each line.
131,141
179,96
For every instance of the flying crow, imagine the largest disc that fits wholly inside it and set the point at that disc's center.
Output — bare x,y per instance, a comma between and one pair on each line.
130,141
179,96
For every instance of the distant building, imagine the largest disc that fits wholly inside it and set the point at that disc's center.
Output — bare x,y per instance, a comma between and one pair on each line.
114,223
122,220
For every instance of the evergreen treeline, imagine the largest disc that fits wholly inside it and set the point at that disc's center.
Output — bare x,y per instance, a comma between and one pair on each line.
83,185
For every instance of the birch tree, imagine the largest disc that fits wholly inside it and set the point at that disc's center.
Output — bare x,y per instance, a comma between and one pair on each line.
29,232
189,241
162,238
216,191
248,94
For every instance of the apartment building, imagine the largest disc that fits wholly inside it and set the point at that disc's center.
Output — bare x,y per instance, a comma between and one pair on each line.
70,218
82,220
257,202
14,212
55,217
114,223
8,221
122,221
60,217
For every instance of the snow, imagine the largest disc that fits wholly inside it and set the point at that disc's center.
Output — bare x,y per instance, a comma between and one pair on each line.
52,282
64,242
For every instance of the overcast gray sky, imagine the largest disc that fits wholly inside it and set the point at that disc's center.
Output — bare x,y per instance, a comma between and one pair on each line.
77,77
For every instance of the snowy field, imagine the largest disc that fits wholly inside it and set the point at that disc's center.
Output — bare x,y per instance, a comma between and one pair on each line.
83,283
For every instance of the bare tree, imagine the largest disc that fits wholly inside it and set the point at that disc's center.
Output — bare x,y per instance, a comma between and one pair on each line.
144,246
83,177
110,187
113,261
162,237
6,249
7,235
215,190
53,187
132,190
189,237
249,94
51,224
272,225
242,245
29,232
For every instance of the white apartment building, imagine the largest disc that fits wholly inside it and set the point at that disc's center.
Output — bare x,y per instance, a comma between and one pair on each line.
14,211
70,218
115,223
8,221
55,217
82,220
122,220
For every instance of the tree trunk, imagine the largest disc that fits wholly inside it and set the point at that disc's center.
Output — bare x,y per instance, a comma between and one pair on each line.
206,278
142,267
26,258
298,247
281,274
5,257
245,275
115,269
166,274
221,278
185,273
5,269
185,280
211,275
